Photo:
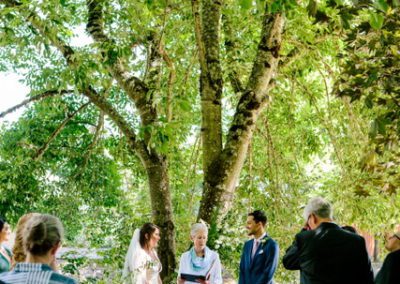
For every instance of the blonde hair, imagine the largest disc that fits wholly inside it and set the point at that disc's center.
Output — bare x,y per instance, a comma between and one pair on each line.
197,228
42,233
18,250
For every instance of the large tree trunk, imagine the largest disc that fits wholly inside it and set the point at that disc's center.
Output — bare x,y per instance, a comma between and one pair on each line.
222,170
157,172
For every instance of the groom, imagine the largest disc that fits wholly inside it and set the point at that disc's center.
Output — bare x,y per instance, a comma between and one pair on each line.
260,254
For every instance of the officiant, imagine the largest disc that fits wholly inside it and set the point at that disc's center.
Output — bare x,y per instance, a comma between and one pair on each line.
200,264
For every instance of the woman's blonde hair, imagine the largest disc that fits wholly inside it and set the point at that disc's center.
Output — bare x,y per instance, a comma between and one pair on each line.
42,233
18,250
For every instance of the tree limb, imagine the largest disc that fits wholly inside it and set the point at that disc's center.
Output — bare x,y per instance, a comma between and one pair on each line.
102,103
219,187
43,149
325,123
171,81
135,88
86,90
266,62
92,145
41,96
211,83
231,46
198,31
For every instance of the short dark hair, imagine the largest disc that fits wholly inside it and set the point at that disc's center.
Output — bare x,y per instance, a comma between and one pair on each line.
145,233
259,216
2,222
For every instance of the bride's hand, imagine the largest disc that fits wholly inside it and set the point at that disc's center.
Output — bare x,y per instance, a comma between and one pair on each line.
203,281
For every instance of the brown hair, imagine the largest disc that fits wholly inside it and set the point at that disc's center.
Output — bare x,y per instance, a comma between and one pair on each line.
147,229
18,250
42,233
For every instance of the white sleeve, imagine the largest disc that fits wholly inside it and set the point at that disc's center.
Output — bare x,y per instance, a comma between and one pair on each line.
181,263
216,274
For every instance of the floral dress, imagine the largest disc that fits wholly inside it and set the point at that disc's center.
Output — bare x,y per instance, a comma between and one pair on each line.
146,270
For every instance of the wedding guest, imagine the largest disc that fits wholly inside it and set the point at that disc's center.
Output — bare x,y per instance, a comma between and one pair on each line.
5,253
325,253
200,260
390,271
18,250
142,265
42,239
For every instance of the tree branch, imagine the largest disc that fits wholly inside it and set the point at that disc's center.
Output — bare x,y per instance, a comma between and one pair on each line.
221,185
231,46
266,62
211,83
39,97
171,81
135,88
86,90
325,123
198,31
92,145
102,103
43,149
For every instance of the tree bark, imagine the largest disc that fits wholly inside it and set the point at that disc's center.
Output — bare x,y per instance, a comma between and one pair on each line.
161,204
222,172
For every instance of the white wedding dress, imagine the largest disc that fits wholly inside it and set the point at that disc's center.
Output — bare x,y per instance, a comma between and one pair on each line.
139,267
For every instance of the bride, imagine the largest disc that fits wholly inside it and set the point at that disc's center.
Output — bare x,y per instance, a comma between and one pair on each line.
142,265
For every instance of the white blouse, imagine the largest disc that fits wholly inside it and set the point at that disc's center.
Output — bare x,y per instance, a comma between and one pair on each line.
215,273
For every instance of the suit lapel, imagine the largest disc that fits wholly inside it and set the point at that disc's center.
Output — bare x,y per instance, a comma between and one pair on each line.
260,247
248,252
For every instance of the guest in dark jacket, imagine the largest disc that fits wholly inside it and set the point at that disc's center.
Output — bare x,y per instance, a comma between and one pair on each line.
325,253
390,271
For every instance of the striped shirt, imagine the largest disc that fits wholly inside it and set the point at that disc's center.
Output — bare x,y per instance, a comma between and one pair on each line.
34,273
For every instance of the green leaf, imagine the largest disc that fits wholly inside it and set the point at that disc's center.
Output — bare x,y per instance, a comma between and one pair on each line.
368,102
245,4
381,5
376,20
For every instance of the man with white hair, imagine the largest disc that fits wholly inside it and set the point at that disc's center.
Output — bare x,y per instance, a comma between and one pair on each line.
390,271
325,253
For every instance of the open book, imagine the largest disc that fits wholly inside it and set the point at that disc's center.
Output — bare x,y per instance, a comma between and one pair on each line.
194,278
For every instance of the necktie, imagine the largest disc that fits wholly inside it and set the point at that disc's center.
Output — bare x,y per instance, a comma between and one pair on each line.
255,247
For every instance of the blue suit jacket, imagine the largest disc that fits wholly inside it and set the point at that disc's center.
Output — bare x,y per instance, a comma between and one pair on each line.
261,269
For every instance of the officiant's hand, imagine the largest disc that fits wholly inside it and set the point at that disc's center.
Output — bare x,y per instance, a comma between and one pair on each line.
203,281
181,281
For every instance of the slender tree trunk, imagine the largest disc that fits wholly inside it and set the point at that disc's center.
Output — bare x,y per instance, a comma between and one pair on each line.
161,204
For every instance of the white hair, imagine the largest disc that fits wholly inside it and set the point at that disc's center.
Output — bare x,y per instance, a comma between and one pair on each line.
319,207
198,227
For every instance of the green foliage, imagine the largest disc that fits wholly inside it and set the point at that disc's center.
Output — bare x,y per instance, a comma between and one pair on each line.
311,140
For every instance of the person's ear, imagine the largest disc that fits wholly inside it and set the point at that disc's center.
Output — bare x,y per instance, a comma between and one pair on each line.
314,218
55,248
311,221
